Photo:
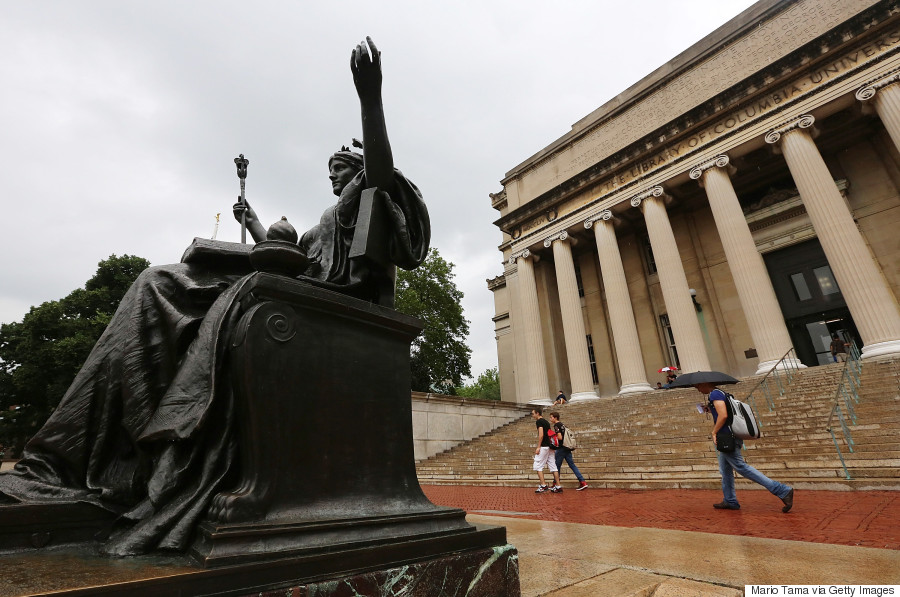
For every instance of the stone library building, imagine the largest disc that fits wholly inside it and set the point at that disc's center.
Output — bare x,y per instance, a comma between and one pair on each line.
739,204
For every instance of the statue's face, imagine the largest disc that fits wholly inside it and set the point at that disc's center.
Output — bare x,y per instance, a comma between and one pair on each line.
340,174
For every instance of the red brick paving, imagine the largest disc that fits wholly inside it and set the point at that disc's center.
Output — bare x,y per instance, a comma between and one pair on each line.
863,518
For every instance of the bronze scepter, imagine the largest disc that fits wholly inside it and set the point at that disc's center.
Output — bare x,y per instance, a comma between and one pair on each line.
241,162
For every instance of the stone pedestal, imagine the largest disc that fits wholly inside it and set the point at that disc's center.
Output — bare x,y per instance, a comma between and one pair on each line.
326,496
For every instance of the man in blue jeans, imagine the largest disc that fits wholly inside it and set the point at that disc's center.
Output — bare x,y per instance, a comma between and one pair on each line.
734,461
563,453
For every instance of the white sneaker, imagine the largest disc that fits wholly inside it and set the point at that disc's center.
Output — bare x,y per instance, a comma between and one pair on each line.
556,489
541,489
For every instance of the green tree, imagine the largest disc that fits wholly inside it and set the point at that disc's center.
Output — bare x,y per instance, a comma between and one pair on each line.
440,356
40,355
486,387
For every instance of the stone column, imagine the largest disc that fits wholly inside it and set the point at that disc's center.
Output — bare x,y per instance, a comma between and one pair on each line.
621,315
572,319
673,282
754,288
870,300
536,384
884,95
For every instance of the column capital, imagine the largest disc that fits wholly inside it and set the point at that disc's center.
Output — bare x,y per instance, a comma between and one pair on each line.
524,254
560,236
868,91
719,161
656,191
800,122
605,215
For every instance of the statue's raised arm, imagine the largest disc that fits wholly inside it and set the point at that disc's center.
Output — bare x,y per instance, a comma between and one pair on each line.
365,63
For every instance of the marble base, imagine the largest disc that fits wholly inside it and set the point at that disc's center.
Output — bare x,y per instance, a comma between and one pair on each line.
766,366
881,349
485,573
583,396
540,402
634,388
478,564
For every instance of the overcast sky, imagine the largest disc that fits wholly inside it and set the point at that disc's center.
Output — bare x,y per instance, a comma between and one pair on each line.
119,120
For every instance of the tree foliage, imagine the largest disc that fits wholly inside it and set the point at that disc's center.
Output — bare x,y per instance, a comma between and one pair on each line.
486,387
440,356
40,355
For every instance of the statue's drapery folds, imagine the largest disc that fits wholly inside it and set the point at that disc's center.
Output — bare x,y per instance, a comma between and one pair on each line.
146,430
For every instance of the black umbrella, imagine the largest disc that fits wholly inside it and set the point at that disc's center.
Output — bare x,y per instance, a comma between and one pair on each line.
713,377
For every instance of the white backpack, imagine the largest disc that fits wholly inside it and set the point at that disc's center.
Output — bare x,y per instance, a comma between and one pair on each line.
741,419
569,440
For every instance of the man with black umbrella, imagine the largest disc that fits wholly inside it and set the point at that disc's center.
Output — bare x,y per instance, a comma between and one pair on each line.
733,460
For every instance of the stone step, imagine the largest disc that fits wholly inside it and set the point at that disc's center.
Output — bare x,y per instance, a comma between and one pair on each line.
620,444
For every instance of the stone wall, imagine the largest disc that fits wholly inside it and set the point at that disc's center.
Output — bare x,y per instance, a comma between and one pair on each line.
441,422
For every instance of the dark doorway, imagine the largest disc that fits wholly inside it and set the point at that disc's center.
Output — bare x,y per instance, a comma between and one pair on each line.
811,301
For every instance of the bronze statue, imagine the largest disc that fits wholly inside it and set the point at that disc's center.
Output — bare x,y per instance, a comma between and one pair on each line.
147,429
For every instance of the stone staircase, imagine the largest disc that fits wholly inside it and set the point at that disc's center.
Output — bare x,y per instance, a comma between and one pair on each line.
658,440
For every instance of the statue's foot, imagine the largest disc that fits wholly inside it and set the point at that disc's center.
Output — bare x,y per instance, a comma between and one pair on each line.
237,506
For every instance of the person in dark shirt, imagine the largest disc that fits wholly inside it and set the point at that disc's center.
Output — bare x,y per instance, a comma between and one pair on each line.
838,349
542,452
731,462
562,453
560,399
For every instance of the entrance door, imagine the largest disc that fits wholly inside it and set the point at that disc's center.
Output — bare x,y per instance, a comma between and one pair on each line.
811,301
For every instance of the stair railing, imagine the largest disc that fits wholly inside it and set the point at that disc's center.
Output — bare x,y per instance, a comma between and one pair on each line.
847,394
778,378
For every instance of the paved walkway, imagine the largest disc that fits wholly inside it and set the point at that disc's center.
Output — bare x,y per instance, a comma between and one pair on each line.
866,519
666,543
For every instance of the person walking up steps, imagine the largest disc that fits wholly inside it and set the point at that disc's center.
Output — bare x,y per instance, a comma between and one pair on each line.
542,452
564,453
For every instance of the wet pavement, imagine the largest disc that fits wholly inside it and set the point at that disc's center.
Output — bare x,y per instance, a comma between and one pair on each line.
857,518
666,543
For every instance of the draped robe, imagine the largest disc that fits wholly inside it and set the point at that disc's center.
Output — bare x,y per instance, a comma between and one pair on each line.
146,430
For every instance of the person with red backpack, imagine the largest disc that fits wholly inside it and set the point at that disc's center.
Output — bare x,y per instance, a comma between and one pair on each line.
564,453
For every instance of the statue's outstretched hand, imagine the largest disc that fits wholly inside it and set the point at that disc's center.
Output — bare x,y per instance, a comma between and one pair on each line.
365,64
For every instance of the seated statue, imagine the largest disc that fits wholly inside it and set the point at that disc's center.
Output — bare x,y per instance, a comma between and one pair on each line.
146,431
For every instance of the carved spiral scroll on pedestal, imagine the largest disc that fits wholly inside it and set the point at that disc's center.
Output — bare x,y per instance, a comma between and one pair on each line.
801,122
281,327
719,161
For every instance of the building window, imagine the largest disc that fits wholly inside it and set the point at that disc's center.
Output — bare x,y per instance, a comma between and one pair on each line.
800,287
648,255
578,280
827,283
670,340
593,360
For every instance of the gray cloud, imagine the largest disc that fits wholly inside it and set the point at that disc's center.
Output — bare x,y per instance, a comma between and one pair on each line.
120,120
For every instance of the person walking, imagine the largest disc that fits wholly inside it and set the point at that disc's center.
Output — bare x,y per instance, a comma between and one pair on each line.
838,349
729,462
542,452
563,453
